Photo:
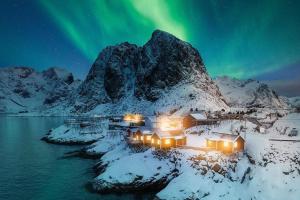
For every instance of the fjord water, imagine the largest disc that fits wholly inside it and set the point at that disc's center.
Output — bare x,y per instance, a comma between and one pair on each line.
31,169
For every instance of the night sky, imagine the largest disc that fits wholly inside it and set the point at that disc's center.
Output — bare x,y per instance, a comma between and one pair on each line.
243,39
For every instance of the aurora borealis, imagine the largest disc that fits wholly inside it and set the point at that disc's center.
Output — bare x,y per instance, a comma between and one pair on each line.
243,39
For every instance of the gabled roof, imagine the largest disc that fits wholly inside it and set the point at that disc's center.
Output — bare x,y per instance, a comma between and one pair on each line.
169,134
199,116
224,137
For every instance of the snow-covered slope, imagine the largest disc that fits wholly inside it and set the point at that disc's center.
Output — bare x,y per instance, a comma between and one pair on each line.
249,93
165,72
22,89
294,102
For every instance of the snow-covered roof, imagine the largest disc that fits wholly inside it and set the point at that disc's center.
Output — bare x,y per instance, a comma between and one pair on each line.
223,137
198,116
169,134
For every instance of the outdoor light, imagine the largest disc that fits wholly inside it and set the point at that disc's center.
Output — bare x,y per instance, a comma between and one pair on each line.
225,144
167,141
158,141
168,123
133,118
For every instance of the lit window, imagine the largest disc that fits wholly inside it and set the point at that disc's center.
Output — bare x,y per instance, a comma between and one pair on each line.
134,138
235,145
208,142
158,141
142,137
152,140
167,141
148,137
225,144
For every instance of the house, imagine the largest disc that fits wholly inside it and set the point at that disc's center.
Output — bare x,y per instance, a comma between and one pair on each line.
196,119
161,132
142,134
227,143
134,119
168,139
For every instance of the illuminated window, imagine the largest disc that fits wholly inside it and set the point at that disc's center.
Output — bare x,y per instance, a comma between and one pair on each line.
142,137
158,141
235,145
134,138
148,137
152,140
167,141
225,144
208,142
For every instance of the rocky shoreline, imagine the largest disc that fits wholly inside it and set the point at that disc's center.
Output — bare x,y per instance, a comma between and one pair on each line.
184,173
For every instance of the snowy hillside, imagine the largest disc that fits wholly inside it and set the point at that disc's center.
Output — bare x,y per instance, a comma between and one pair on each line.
164,73
294,102
249,93
268,169
22,89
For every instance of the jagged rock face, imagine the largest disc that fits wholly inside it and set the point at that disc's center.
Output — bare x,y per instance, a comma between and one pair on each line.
110,76
249,93
165,61
146,72
23,89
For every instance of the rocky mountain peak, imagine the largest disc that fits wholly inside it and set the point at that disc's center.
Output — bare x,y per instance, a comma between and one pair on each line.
145,73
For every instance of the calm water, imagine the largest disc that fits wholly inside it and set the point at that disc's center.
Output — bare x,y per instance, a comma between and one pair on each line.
33,169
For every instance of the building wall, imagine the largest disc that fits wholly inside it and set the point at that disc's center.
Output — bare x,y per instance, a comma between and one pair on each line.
147,138
240,144
188,121
211,144
225,148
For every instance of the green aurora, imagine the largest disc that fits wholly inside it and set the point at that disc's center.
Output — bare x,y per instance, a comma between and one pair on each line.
236,38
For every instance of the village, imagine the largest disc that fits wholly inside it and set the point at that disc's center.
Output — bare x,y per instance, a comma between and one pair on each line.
221,131
161,152
165,132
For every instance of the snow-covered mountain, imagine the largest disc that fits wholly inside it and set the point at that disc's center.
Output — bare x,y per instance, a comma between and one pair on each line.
294,102
22,89
249,93
165,74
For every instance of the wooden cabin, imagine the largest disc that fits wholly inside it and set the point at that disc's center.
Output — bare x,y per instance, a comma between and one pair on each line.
227,143
196,119
144,133
168,139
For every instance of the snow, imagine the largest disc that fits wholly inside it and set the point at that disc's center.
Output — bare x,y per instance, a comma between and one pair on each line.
67,134
128,167
275,174
199,116
24,90
243,93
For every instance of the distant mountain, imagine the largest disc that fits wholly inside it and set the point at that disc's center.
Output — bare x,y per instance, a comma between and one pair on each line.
249,93
22,89
295,102
163,75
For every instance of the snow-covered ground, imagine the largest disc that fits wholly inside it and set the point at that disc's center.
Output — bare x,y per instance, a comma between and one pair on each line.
267,170
65,134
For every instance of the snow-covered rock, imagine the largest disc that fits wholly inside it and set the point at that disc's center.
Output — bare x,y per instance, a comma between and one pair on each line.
65,134
249,93
166,73
22,89
136,172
